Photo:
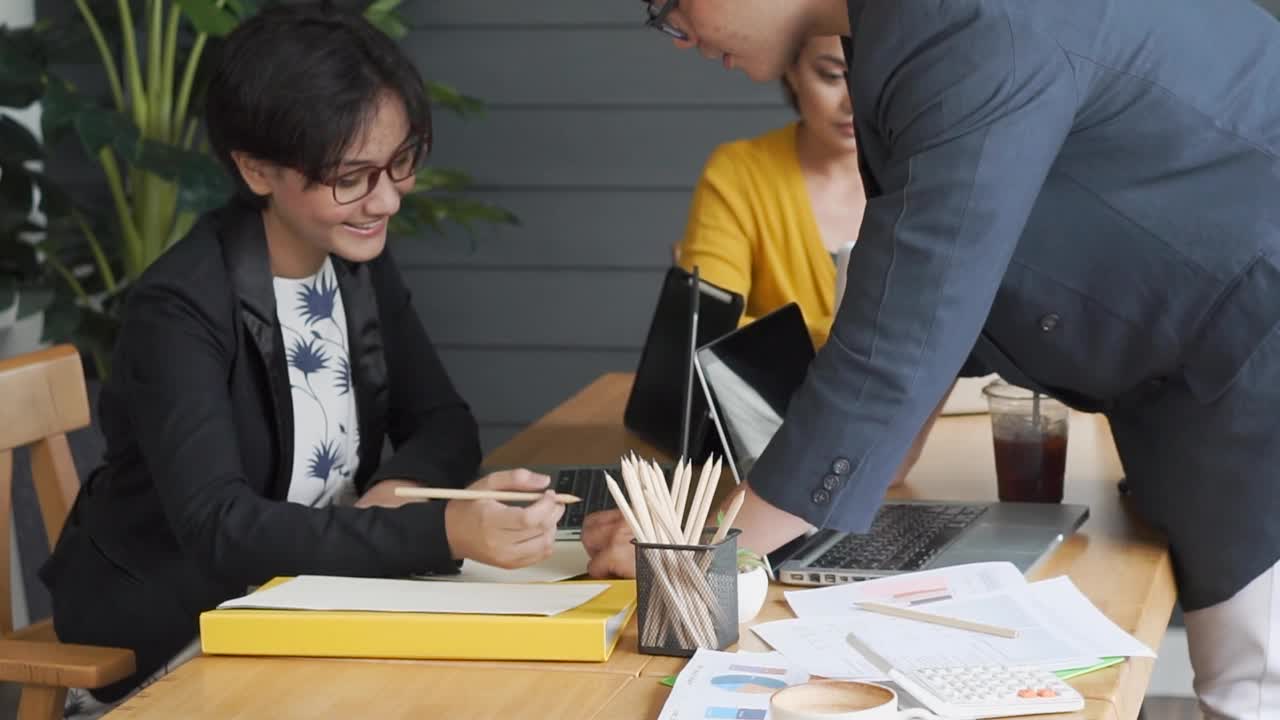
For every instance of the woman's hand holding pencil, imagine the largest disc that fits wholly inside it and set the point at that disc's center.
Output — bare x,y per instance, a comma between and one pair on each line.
480,525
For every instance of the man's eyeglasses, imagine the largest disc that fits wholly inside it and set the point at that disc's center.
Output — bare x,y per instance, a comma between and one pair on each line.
355,185
658,17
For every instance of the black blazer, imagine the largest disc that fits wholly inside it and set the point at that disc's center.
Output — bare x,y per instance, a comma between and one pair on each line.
189,506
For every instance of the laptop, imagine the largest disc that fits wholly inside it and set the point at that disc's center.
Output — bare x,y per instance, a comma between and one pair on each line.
668,372
749,376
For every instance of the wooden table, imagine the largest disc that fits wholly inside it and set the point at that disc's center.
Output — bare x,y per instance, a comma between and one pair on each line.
1121,566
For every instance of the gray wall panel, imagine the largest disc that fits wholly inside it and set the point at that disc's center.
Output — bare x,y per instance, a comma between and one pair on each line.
571,66
562,229
496,382
579,147
582,13
605,309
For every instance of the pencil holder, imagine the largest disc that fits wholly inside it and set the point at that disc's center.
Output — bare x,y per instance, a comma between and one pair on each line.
687,595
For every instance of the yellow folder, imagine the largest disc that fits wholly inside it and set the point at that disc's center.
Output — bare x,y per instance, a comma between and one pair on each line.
587,633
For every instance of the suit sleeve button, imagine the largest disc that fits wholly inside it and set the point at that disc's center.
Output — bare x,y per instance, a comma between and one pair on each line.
820,497
1049,322
840,466
832,482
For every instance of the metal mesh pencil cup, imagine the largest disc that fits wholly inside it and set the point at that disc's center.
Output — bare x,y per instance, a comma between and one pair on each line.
687,595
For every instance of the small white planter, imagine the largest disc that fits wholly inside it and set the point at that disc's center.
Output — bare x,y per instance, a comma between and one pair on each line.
753,588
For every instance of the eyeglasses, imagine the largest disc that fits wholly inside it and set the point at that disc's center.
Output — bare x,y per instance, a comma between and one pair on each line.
658,18
355,185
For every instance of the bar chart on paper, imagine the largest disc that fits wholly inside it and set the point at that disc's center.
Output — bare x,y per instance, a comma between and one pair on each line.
748,684
728,686
910,591
731,713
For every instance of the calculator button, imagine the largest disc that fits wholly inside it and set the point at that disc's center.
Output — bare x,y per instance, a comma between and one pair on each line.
1047,693
1026,693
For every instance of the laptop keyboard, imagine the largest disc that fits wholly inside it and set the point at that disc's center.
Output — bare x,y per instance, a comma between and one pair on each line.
588,484
902,538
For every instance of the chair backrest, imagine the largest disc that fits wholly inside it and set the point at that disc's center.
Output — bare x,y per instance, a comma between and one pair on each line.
42,398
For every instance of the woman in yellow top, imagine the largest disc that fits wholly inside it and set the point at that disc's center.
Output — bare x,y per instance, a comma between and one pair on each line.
770,213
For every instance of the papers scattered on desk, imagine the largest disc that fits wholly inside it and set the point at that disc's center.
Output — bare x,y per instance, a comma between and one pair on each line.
817,645
568,560
1060,599
729,685
319,592
1058,627
908,644
914,590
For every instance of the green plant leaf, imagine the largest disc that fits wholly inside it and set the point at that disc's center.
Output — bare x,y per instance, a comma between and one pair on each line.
450,99
8,291
97,331
61,320
34,300
208,17
22,65
202,184
58,109
17,143
419,212
18,257
431,178
98,126
55,202
16,188
382,15
750,560
243,8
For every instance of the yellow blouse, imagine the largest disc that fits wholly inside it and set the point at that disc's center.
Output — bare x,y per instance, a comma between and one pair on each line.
751,230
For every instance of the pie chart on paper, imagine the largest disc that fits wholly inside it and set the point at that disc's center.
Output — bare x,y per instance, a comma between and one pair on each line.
748,684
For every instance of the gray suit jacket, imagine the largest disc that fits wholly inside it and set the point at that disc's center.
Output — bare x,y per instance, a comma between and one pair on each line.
1085,197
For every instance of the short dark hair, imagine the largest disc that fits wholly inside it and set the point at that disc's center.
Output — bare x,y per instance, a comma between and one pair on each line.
295,85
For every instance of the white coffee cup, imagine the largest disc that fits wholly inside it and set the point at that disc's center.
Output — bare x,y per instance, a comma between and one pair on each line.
840,700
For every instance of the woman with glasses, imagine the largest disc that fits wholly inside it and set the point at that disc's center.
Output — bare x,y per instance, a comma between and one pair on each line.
266,359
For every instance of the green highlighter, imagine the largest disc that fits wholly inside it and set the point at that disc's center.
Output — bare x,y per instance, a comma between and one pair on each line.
1106,662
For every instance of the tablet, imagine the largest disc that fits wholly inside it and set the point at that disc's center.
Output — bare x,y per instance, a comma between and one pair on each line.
655,407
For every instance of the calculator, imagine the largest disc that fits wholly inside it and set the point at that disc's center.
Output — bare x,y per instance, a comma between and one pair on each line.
988,691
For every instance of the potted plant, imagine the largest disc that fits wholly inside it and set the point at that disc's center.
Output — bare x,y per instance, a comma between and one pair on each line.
753,583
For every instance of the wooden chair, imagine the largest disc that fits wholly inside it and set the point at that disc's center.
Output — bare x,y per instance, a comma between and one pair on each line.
42,398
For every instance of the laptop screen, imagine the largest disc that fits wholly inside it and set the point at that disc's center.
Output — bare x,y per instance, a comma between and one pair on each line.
752,373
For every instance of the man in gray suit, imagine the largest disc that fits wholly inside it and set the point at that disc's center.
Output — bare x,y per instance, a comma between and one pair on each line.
1084,197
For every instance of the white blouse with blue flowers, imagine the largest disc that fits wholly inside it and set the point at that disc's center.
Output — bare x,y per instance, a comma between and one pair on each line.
326,431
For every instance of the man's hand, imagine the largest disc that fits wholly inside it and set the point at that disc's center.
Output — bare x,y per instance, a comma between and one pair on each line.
607,538
502,535
765,528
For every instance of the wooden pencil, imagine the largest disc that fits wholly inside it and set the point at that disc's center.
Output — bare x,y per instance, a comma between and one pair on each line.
430,493
908,614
